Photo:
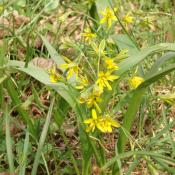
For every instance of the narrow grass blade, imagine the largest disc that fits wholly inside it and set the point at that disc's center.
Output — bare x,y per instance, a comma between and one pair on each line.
10,156
42,139
138,153
169,169
45,163
153,140
24,155
133,166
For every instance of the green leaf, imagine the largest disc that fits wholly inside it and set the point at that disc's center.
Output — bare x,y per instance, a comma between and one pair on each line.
123,42
52,52
10,156
138,57
156,76
42,76
51,5
159,62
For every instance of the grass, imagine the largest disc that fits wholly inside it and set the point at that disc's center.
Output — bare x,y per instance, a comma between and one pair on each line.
43,114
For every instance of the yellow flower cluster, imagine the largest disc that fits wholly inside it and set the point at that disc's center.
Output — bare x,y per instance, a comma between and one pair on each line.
110,64
54,75
83,82
88,35
135,81
92,99
128,19
108,17
104,78
103,123
92,87
71,69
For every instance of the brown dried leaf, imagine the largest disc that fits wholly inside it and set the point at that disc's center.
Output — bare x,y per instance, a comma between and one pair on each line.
96,170
42,63
170,37
38,41
69,130
5,23
19,19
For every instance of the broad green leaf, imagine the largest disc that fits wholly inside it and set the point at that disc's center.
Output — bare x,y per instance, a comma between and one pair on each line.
160,61
51,5
123,42
138,57
157,75
52,52
42,76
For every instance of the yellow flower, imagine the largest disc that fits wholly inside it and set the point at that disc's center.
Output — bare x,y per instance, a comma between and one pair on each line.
135,81
108,17
128,19
107,122
110,64
72,69
94,122
88,35
104,78
104,124
54,75
83,82
92,99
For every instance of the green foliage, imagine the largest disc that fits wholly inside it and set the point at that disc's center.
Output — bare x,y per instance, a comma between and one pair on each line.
71,58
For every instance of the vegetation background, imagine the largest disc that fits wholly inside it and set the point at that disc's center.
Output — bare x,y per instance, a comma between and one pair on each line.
42,128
